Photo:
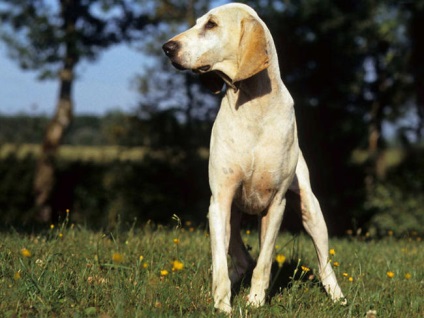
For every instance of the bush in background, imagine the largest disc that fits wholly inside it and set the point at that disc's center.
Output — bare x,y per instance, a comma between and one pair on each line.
103,191
397,203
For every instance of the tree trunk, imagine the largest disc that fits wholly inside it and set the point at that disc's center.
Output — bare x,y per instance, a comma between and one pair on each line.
45,174
44,180
376,166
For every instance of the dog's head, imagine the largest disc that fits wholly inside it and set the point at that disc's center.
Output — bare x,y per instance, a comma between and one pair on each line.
226,44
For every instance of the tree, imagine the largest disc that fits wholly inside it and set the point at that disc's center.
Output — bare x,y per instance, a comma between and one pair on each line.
174,102
347,66
52,38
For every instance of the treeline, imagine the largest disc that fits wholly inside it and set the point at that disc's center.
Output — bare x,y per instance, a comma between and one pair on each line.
161,130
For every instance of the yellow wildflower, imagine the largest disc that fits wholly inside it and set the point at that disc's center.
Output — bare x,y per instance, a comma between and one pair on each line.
141,258
164,272
351,279
177,265
25,252
408,275
51,226
336,264
145,265
345,274
280,258
371,314
176,241
117,258
332,252
248,232
17,275
305,269
390,274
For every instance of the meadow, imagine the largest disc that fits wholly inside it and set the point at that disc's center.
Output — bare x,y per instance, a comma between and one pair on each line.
67,270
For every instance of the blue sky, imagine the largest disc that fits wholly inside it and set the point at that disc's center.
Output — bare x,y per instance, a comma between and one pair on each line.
103,85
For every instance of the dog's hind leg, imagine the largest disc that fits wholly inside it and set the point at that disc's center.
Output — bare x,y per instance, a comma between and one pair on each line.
270,226
314,223
241,261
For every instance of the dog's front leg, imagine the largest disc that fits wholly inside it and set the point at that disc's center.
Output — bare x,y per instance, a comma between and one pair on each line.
270,226
219,227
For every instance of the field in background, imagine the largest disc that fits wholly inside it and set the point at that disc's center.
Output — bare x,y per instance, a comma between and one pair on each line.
105,154
97,154
68,271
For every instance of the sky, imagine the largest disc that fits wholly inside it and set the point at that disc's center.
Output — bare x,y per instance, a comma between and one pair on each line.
101,86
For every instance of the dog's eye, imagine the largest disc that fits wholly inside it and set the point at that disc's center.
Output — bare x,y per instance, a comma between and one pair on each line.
210,25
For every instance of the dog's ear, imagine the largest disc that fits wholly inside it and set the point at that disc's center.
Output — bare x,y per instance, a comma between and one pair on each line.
253,56
212,81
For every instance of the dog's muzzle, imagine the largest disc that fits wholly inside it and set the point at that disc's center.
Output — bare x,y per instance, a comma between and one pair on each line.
171,49
202,69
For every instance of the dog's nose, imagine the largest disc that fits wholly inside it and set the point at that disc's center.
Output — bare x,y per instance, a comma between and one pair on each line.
170,48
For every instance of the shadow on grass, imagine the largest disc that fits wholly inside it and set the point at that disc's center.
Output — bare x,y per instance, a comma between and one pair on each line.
290,272
281,278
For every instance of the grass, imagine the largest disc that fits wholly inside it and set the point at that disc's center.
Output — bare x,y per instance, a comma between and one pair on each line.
69,271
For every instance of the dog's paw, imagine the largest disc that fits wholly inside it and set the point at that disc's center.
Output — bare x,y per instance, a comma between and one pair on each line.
256,300
223,308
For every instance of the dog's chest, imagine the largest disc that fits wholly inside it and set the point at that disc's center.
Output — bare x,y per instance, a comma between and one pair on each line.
255,151
254,195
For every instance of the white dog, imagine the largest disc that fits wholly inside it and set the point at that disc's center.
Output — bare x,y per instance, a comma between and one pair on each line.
254,153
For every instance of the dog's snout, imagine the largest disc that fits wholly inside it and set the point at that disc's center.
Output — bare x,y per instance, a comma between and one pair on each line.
170,48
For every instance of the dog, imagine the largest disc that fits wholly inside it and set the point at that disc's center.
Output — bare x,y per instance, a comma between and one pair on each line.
254,153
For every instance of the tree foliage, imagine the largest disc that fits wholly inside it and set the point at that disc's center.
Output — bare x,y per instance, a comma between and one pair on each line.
174,100
348,67
36,31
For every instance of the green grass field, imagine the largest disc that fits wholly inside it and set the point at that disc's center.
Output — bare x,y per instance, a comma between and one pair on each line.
151,271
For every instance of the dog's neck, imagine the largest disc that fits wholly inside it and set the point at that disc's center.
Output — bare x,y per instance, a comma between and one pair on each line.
252,88
266,83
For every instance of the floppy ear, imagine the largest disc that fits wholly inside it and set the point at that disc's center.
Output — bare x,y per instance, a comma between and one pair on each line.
212,81
253,56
